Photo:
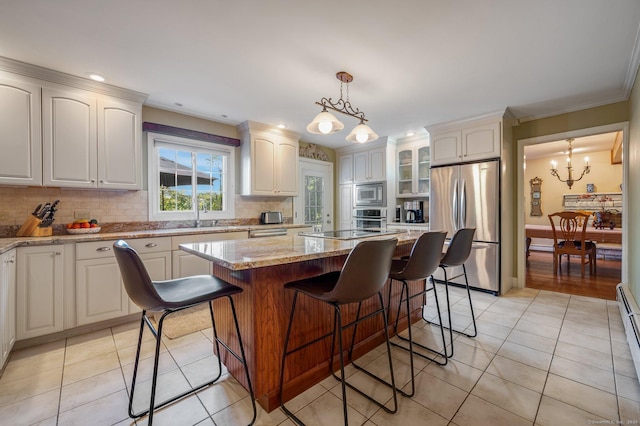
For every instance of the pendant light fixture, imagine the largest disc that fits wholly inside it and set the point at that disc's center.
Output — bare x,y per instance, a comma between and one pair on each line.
570,180
326,123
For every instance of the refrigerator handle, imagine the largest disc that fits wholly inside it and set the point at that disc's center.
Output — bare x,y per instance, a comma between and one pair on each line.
454,203
463,205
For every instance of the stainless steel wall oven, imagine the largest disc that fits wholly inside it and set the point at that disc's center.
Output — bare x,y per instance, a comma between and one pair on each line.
370,218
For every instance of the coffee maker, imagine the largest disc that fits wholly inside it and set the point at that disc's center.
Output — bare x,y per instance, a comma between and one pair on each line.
414,211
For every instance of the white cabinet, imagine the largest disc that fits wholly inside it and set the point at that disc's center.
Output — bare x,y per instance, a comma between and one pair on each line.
7,304
369,165
20,138
345,206
345,169
269,160
63,136
100,293
40,286
90,141
467,141
186,264
413,164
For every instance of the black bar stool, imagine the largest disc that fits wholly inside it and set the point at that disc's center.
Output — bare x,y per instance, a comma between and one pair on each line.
419,265
456,255
168,297
363,275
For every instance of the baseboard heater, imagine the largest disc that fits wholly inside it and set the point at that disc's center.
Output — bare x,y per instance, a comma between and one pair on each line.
631,319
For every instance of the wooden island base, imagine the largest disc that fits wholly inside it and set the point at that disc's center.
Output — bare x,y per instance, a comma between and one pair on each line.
263,311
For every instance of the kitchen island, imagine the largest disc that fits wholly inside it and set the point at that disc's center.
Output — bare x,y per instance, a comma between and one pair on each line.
261,268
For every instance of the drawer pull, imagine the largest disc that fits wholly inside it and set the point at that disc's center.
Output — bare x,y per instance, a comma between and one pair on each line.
150,245
103,249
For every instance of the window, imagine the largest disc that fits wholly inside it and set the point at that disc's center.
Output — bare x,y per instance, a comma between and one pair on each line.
313,199
186,175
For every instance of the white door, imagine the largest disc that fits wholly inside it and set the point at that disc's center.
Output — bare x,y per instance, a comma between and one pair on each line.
314,205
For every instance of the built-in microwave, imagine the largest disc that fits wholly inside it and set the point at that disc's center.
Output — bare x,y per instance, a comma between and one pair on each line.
370,194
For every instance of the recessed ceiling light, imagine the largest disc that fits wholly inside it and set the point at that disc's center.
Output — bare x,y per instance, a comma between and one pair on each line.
410,133
96,77
282,126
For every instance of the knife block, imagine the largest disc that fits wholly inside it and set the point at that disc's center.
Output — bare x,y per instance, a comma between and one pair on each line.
31,228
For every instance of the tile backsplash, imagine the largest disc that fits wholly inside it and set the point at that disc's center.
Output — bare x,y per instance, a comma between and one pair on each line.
110,206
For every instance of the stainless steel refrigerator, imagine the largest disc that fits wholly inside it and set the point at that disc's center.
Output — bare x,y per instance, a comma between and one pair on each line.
468,196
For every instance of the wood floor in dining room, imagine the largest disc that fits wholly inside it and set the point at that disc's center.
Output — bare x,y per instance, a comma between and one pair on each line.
539,275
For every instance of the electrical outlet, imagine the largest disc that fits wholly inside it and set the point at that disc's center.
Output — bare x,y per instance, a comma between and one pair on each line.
81,214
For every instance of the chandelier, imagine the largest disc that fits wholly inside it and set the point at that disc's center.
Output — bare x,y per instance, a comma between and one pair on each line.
326,123
570,180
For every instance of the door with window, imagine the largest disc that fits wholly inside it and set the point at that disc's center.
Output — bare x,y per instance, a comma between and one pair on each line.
314,205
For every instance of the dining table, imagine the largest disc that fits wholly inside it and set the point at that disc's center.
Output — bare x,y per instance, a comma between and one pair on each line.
598,235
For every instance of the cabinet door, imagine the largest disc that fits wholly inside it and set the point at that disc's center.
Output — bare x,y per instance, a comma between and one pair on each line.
263,161
69,138
20,138
100,294
377,164
186,264
287,168
345,169
405,172
423,160
119,144
481,142
446,148
346,206
7,304
40,280
361,166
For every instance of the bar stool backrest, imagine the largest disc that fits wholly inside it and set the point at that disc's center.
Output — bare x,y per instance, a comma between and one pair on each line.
425,256
459,247
136,278
365,271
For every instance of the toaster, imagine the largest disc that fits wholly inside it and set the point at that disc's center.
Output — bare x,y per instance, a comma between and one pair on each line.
271,217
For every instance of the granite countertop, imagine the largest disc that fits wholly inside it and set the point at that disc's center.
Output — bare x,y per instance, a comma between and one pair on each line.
246,254
7,244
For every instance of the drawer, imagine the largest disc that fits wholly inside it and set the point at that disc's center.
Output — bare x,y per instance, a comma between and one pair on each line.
104,249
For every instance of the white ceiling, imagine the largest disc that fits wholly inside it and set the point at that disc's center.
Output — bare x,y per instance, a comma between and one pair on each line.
581,146
414,62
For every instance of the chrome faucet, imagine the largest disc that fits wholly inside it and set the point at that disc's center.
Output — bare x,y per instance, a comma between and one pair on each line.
198,221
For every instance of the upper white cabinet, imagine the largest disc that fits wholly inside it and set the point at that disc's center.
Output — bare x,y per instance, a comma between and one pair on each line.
470,140
370,165
345,169
413,163
21,137
67,132
269,160
90,141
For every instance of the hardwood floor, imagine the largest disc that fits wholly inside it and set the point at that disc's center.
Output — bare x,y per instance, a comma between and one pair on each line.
539,275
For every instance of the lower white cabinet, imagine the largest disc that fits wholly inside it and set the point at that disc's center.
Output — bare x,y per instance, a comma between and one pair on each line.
185,264
100,293
40,286
7,303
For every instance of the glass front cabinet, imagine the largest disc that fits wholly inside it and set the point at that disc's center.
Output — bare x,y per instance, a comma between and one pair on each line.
414,162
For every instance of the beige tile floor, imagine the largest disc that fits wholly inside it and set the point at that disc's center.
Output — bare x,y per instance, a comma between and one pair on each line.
540,358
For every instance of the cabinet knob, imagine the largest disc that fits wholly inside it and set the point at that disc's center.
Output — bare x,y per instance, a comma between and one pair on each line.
103,249
93,180
58,253
150,245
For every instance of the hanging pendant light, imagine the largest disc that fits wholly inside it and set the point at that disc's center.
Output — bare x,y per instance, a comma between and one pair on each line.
326,123
570,180
362,134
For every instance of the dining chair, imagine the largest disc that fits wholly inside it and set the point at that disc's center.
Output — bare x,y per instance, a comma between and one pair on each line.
569,237
363,276
165,298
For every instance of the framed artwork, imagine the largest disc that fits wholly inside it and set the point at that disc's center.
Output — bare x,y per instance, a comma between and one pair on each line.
536,195
591,188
